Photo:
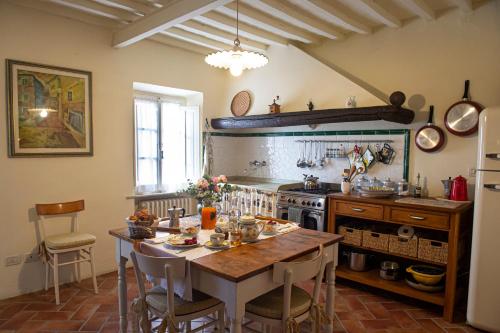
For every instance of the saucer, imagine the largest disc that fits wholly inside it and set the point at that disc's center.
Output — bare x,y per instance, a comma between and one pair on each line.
224,245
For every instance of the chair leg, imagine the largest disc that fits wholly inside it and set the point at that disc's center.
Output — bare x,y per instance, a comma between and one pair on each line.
55,268
268,329
188,326
221,325
78,268
92,268
47,275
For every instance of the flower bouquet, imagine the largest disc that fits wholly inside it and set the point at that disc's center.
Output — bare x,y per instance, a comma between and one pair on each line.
208,190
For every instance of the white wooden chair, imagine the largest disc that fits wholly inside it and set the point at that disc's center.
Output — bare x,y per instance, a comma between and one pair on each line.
163,303
287,306
81,244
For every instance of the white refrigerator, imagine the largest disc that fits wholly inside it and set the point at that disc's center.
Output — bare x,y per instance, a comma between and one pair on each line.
483,306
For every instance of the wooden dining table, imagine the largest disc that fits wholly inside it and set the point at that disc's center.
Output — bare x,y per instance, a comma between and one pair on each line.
240,274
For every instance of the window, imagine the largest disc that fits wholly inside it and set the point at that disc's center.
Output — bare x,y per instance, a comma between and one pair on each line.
167,135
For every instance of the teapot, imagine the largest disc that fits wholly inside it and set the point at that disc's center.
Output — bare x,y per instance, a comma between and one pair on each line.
174,215
310,182
459,189
250,228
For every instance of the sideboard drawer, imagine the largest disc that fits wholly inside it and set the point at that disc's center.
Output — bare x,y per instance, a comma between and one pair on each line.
359,210
420,217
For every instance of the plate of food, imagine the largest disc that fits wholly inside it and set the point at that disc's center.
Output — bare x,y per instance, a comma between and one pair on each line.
181,241
270,228
190,230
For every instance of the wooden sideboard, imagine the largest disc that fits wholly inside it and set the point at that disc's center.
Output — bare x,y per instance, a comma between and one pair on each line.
455,224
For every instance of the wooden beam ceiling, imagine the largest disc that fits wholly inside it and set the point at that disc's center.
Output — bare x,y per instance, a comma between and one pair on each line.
267,22
420,8
228,24
381,13
129,5
162,19
98,9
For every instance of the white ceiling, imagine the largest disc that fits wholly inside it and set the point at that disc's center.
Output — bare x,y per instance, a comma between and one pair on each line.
208,25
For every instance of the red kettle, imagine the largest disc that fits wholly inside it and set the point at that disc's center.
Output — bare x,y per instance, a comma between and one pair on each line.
459,189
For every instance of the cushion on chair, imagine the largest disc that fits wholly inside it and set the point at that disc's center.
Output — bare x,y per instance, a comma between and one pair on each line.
270,305
157,298
69,240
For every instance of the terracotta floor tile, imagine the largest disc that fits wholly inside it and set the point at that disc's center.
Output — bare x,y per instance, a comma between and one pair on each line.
455,330
42,307
95,322
430,326
398,306
355,315
422,314
31,326
353,303
11,310
52,315
379,324
63,325
403,319
85,312
378,310
17,320
108,308
353,326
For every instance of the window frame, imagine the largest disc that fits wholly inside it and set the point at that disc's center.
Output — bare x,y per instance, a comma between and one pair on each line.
159,99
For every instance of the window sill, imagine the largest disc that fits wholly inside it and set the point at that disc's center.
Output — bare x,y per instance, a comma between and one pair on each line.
152,195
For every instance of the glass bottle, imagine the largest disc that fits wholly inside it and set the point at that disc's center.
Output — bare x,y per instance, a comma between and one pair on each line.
418,189
234,229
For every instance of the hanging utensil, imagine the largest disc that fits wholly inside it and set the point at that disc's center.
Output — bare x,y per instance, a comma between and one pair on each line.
430,137
462,118
310,162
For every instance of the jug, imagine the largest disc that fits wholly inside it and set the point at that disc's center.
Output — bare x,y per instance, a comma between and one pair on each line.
459,189
250,229
447,187
174,215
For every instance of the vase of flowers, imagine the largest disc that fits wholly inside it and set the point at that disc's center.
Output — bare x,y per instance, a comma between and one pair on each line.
208,191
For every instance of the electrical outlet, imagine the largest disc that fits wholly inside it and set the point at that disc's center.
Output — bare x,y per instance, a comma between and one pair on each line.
13,260
31,257
472,172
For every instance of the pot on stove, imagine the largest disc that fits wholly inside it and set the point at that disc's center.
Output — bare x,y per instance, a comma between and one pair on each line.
310,182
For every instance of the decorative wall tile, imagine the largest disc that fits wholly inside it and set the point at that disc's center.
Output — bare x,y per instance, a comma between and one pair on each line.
234,151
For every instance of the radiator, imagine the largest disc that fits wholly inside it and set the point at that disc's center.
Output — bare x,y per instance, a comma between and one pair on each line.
159,206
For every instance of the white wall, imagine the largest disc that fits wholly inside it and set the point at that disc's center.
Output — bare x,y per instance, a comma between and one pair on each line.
428,60
106,178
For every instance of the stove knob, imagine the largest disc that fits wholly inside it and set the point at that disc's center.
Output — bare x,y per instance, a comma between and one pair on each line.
289,200
293,201
303,203
309,203
319,204
314,204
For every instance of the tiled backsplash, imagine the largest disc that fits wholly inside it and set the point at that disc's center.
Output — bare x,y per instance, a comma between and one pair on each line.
234,151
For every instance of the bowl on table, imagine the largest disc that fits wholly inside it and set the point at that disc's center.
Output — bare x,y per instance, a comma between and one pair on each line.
425,274
191,230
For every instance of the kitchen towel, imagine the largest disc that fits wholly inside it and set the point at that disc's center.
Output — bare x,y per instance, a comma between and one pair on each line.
295,215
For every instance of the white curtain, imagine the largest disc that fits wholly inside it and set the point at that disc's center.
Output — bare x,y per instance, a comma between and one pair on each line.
146,119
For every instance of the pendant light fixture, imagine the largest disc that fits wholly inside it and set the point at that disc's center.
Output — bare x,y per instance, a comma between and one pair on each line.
236,59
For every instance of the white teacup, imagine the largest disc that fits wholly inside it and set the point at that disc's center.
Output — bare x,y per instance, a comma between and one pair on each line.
217,239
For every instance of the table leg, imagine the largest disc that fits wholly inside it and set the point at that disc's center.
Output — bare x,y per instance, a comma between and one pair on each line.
122,293
330,287
235,313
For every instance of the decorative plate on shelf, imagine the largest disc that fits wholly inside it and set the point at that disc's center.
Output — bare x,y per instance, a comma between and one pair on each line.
241,103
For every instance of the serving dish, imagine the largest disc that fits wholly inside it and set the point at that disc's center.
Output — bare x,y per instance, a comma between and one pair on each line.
376,191
425,274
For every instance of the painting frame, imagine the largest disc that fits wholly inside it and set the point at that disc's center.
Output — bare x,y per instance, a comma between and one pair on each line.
73,135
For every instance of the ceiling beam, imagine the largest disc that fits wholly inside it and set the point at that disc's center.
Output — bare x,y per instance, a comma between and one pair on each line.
174,42
128,5
267,22
162,19
464,5
298,17
228,24
420,8
338,16
68,12
220,35
95,8
194,39
381,13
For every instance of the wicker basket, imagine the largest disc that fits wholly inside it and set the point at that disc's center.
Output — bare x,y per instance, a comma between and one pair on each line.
403,246
140,230
375,240
352,234
433,250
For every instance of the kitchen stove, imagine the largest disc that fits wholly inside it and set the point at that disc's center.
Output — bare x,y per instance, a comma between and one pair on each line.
312,205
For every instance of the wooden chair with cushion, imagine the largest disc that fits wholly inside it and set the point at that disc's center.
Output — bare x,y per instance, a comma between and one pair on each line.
55,245
163,304
287,306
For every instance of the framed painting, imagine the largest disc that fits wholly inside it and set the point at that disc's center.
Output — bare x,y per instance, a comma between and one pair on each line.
49,110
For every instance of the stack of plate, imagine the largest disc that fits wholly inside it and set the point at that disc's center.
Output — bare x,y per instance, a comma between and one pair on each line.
377,192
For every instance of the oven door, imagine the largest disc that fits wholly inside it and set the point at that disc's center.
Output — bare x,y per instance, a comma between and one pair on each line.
311,219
